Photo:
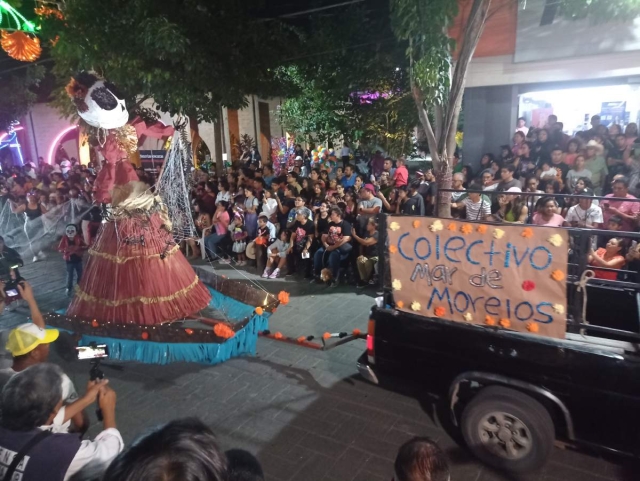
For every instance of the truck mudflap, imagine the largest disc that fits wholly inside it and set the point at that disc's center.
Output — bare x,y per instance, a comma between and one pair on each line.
495,379
365,369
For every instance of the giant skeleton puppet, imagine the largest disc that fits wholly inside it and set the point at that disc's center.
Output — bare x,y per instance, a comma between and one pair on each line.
135,272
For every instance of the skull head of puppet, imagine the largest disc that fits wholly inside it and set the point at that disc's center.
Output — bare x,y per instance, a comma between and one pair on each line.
98,102
70,231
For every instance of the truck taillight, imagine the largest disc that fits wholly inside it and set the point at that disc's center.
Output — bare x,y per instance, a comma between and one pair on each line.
371,352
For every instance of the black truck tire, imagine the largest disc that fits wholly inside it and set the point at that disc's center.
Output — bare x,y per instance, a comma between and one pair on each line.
508,429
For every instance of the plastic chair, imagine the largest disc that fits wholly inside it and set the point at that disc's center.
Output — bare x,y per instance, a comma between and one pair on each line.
200,242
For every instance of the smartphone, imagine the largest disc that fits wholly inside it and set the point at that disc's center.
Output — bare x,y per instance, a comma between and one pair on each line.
92,352
12,293
305,256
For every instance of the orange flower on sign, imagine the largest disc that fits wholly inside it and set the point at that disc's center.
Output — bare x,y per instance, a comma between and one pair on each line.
452,227
393,249
399,304
466,229
557,275
223,331
489,321
505,323
439,311
283,297
527,233
482,229
415,224
532,327
259,311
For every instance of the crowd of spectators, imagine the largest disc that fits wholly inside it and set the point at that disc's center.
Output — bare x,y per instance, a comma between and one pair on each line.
319,220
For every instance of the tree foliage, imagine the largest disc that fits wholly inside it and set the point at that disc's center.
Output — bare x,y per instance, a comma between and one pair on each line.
353,84
191,57
17,94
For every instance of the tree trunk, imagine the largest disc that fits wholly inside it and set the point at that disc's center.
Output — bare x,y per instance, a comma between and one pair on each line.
195,139
443,176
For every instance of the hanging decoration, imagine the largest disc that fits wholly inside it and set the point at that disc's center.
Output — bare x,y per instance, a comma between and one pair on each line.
17,35
283,155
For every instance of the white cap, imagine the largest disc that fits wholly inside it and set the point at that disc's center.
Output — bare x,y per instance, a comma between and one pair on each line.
514,189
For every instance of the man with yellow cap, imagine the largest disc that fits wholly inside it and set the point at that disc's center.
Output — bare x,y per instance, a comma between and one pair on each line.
29,345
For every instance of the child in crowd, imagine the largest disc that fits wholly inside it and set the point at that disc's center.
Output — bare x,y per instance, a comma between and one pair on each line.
277,254
577,172
71,247
239,235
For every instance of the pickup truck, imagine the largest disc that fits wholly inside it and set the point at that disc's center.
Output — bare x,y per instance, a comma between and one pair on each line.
512,394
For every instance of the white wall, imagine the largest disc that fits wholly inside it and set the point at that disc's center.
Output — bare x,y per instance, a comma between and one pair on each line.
501,70
47,125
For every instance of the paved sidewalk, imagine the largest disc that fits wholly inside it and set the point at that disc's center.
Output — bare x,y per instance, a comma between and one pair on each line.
305,413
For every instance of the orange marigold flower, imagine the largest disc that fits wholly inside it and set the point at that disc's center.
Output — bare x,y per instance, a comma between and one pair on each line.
189,331
532,327
393,249
415,224
223,331
356,332
301,339
452,226
490,321
505,322
326,335
466,229
439,311
482,229
527,233
557,275
259,310
399,304
283,297
278,335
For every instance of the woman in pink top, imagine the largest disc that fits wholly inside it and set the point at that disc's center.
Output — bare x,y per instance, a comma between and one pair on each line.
401,175
221,223
546,214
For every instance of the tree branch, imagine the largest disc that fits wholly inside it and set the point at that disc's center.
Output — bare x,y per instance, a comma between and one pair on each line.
426,124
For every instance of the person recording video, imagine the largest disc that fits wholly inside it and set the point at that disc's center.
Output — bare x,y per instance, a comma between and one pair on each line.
28,344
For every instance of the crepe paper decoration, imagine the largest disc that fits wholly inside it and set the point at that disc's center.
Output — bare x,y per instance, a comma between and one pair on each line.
482,229
436,226
555,240
393,249
394,226
466,229
144,335
396,285
21,46
415,306
223,331
356,332
278,335
557,275
283,297
528,285
489,321
559,308
399,304
326,335
189,331
95,323
452,226
259,311
505,323
301,339
439,311
527,233
468,317
416,224
48,12
532,327
498,234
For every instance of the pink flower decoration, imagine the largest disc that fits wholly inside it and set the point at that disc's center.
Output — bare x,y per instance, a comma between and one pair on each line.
528,285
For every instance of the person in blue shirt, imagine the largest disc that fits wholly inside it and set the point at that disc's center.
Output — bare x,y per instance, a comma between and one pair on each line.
267,175
349,178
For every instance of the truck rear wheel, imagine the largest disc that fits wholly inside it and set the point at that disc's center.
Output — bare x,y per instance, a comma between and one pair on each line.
508,429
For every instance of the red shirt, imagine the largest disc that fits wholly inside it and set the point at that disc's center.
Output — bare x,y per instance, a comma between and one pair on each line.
401,176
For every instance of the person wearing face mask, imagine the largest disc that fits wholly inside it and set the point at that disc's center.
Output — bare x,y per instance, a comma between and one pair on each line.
71,247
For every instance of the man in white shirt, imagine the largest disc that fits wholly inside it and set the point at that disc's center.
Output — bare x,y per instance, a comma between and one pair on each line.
345,154
29,345
29,402
585,214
